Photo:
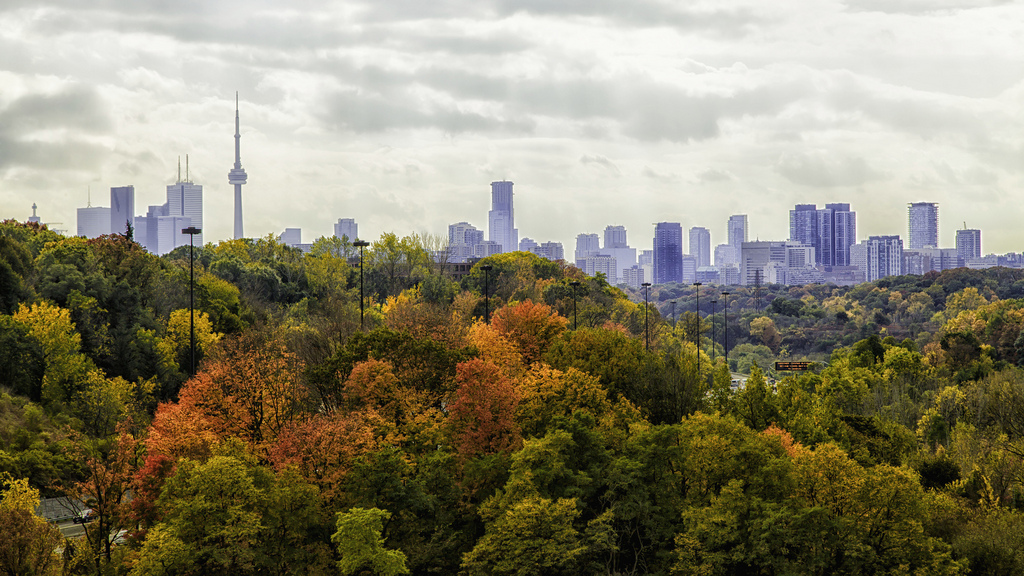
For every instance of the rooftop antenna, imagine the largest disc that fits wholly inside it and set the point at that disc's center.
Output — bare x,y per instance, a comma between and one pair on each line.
88,202
186,169
179,169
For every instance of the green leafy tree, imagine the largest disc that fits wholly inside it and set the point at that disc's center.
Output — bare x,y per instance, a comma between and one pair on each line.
361,547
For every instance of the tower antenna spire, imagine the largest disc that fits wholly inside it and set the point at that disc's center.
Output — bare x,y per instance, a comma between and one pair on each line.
186,169
88,196
179,168
237,176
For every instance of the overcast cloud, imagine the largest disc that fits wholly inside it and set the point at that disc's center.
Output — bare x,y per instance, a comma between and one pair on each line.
400,113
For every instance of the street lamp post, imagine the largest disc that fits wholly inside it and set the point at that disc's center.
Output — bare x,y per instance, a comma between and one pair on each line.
362,299
575,284
647,332
191,231
725,312
696,333
714,332
487,296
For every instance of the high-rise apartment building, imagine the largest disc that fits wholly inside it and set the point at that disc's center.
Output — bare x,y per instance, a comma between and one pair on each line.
550,250
599,263
463,241
122,208
586,245
616,244
837,231
527,245
803,224
923,224
884,257
501,219
700,245
668,252
830,231
346,228
968,243
615,237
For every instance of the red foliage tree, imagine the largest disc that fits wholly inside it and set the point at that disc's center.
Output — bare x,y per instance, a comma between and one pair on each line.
482,418
325,446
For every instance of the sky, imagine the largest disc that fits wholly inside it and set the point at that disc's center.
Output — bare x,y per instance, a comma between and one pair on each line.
399,113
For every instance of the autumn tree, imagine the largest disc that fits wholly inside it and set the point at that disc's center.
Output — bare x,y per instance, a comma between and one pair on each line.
228,515
106,490
532,327
29,544
482,417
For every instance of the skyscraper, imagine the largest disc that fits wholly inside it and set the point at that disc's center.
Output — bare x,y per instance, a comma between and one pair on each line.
615,244
615,237
237,177
501,219
884,257
122,208
837,231
668,252
93,221
185,200
830,231
968,243
923,224
586,245
737,230
803,225
700,245
346,227
463,239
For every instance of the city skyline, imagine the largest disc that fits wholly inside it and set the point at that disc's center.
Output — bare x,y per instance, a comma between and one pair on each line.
600,115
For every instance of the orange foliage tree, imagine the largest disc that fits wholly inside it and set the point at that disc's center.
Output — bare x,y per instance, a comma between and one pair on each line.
408,412
532,327
324,447
250,387
482,418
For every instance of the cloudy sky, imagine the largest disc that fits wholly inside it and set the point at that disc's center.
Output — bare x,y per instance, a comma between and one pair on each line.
400,113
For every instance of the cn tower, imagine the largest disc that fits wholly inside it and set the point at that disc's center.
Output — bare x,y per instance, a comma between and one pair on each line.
237,176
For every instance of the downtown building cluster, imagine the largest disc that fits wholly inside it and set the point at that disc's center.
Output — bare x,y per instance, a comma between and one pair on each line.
822,248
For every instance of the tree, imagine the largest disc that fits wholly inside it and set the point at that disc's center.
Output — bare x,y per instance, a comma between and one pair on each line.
360,545
534,536
482,415
106,490
177,343
324,448
28,546
15,265
228,515
251,387
764,328
755,404
532,327
65,367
